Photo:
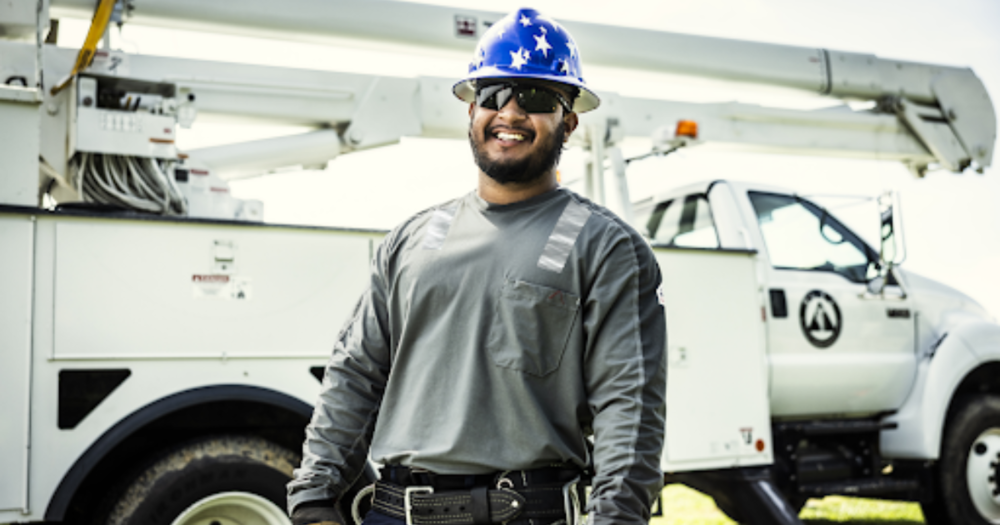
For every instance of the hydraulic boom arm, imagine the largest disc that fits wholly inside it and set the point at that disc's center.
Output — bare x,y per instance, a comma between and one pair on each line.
923,96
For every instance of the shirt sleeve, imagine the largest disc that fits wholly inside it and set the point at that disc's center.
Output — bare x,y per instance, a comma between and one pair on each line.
339,435
626,381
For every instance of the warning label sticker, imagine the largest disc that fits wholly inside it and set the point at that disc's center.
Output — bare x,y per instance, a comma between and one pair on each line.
465,26
220,286
110,63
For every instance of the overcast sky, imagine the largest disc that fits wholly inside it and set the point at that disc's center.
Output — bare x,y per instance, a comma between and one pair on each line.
953,221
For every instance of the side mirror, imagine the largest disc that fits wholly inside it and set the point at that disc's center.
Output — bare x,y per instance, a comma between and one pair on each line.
892,250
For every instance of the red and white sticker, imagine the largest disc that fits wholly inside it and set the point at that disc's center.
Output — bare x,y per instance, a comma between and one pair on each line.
661,296
465,26
110,63
221,286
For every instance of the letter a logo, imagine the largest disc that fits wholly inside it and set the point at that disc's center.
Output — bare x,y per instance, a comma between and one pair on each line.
820,319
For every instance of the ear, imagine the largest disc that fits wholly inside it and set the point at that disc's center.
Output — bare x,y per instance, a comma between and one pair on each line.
472,107
571,121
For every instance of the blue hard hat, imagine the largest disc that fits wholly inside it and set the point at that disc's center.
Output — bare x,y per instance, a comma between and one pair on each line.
526,44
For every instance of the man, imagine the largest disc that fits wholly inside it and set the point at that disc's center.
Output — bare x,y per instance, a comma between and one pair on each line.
500,330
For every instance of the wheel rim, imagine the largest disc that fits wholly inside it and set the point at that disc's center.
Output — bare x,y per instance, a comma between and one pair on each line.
982,474
233,508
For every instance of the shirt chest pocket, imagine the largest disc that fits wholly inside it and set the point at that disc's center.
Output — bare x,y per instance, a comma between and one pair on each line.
531,327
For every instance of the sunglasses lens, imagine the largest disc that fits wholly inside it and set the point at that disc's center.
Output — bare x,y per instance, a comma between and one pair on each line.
531,99
493,97
537,100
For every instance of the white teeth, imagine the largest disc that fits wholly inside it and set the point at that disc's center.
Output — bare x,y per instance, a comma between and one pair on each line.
509,136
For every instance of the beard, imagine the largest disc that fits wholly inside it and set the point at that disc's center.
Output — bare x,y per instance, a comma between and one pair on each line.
528,169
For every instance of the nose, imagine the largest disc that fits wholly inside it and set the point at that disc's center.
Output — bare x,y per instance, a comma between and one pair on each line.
512,111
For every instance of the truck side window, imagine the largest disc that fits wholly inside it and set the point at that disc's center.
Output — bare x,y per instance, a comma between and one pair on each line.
685,223
802,236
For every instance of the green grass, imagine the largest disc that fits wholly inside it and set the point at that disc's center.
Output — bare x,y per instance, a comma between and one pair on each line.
684,506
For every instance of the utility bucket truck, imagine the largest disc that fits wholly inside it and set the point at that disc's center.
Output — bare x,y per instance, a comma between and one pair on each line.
161,347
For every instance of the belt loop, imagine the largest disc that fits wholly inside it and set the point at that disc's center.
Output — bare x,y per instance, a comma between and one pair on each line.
571,502
481,506
392,474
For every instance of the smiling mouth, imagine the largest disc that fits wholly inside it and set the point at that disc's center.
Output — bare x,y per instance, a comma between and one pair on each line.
511,136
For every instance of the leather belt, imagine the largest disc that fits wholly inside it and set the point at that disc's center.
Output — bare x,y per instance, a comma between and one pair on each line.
551,475
421,505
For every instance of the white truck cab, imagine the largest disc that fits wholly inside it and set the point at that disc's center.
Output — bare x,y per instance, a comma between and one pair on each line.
864,377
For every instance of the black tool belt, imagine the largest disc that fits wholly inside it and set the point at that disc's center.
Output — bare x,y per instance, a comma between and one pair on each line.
449,500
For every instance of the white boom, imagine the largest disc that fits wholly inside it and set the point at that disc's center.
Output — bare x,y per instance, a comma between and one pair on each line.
370,111
922,95
926,114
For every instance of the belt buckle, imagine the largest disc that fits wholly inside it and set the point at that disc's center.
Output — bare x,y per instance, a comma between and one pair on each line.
406,500
571,501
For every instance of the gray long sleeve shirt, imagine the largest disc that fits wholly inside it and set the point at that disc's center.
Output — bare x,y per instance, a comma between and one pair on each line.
498,338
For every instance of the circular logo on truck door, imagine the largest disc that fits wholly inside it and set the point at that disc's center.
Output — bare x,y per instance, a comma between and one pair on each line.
819,316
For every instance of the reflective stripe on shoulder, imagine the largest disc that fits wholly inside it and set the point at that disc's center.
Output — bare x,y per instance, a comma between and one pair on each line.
437,228
563,237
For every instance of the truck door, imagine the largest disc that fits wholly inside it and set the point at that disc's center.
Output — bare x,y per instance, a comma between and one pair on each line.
834,347
706,287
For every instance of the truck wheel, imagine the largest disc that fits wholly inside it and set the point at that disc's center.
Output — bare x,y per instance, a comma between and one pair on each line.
969,470
215,481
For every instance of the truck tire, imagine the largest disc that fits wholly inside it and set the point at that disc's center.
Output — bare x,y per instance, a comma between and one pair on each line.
968,473
218,480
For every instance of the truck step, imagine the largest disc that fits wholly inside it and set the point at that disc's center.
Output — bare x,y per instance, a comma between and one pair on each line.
859,487
844,426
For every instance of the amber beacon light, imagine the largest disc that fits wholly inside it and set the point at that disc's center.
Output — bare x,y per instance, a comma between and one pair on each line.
686,128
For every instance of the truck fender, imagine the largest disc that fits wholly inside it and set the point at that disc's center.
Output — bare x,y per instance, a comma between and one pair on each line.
983,339
961,350
135,421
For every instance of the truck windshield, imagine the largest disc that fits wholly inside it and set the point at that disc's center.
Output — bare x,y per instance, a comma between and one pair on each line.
802,236
685,223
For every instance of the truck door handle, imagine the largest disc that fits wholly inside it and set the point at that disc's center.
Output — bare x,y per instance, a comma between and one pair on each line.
779,308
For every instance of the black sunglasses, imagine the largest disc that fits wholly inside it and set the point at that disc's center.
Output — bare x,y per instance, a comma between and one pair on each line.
531,98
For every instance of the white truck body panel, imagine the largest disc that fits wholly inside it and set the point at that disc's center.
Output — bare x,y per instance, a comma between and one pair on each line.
869,369
715,358
55,451
248,292
921,419
16,282
118,294
964,339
